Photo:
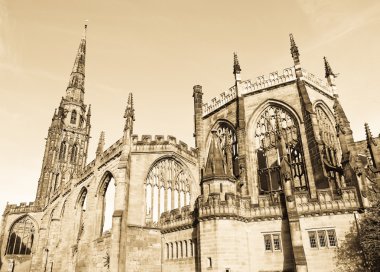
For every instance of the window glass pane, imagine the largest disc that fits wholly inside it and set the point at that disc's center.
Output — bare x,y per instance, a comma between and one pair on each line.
267,242
322,238
332,237
276,242
312,238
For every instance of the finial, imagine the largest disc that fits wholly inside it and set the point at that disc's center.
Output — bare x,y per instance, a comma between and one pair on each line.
294,50
328,70
101,143
129,113
85,29
237,68
368,135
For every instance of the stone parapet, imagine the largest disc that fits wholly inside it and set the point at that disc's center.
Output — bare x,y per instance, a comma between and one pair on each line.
261,83
327,202
149,143
219,101
237,207
23,207
274,79
177,219
317,82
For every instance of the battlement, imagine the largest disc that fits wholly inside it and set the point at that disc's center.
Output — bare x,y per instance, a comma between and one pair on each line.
318,82
149,142
327,202
23,207
219,101
177,219
237,207
262,83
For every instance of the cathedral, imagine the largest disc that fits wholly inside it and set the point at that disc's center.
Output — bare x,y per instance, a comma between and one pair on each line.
274,183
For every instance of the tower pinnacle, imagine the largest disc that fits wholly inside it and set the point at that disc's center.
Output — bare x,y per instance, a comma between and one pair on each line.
129,114
328,70
294,50
237,68
75,88
101,143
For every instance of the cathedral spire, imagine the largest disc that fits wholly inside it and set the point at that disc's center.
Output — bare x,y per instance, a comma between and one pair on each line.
294,50
129,114
75,88
237,68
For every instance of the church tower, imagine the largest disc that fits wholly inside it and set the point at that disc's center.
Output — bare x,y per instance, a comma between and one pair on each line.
68,135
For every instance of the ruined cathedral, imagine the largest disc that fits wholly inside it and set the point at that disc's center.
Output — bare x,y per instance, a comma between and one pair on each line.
274,183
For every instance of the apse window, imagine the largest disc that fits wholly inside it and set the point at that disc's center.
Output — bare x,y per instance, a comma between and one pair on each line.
272,242
320,239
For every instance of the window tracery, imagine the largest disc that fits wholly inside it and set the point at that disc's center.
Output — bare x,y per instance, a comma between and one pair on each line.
21,237
275,123
228,143
331,147
167,187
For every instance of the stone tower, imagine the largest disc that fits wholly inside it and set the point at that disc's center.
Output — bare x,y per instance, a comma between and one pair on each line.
68,135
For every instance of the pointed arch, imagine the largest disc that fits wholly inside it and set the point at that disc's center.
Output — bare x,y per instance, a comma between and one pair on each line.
332,152
74,153
167,186
21,237
81,199
226,135
275,130
106,194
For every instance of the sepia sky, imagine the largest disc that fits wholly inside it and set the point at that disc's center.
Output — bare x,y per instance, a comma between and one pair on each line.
158,50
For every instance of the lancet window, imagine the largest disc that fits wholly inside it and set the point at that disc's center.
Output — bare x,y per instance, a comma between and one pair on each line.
74,153
81,208
62,151
107,202
275,127
331,147
228,143
167,187
73,119
21,237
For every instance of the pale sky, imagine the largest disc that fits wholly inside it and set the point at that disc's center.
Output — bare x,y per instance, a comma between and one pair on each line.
158,50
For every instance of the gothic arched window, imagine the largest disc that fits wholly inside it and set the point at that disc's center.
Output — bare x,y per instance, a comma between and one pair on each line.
274,124
74,153
62,151
331,147
167,187
106,202
21,237
73,119
81,207
228,143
